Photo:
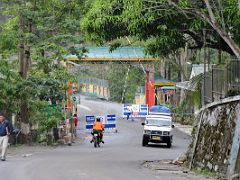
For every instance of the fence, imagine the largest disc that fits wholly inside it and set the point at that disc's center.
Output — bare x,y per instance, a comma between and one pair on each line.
234,76
221,81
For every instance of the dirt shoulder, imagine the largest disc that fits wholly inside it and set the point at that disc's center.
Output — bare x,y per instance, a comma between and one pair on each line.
166,168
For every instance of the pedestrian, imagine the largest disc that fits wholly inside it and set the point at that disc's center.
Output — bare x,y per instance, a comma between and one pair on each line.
5,130
130,112
75,122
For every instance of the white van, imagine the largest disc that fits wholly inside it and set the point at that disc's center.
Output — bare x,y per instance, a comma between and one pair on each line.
158,129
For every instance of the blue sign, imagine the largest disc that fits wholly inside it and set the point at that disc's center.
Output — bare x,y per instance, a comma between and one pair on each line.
90,119
89,122
111,118
111,121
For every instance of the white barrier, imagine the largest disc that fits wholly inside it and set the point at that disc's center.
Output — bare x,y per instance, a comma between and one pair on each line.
109,122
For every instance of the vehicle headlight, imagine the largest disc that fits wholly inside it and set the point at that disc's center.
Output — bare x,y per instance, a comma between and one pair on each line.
166,133
147,132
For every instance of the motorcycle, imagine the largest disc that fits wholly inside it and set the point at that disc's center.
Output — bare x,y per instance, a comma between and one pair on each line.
96,139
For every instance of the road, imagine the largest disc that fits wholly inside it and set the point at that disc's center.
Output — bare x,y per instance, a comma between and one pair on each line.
120,158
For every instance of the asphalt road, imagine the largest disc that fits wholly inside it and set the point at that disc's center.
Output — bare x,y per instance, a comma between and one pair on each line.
120,158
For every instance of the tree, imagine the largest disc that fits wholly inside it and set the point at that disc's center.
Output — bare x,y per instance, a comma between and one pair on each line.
41,33
10,92
167,25
123,85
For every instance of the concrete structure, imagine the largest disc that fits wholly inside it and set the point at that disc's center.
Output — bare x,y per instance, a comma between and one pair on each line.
94,86
218,127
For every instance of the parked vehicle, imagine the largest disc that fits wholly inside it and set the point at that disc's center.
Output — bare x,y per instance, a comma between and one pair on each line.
158,129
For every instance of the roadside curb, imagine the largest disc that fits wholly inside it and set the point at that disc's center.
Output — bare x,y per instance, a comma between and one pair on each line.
186,129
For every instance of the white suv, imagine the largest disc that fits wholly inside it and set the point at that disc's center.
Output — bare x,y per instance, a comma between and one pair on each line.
158,129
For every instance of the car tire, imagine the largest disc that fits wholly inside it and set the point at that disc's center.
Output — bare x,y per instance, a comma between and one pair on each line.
169,144
144,141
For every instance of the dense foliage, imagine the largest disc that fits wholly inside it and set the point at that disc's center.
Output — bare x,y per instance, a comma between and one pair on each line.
34,38
122,86
165,25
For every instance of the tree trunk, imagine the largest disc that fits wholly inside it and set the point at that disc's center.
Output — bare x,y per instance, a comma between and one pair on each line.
24,58
183,70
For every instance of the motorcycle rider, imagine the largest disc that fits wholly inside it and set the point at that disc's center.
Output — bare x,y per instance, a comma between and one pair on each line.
98,127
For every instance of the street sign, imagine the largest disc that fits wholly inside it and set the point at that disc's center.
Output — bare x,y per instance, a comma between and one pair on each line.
89,122
111,121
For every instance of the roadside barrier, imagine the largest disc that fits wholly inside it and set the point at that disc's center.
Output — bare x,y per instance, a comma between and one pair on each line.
109,122
136,110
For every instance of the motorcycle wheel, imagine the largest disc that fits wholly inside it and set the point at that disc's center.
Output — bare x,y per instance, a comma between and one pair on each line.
98,141
95,142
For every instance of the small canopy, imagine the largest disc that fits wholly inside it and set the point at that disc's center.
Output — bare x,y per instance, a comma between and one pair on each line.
160,109
168,88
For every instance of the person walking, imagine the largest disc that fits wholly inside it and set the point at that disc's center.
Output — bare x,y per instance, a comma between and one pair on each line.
130,112
5,131
75,122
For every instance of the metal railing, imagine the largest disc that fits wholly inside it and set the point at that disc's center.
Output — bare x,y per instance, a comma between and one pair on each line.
221,81
234,76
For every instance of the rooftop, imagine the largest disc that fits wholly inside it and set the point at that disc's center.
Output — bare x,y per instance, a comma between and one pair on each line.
101,54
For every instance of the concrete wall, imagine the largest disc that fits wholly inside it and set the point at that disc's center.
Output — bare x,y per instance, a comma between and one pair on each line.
100,91
213,136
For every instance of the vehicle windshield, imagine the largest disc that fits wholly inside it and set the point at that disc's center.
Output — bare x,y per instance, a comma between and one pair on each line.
157,122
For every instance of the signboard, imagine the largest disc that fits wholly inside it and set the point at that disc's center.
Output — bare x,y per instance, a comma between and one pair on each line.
136,110
169,91
111,121
89,122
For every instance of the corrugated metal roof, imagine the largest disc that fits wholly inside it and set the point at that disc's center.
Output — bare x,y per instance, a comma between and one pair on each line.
122,52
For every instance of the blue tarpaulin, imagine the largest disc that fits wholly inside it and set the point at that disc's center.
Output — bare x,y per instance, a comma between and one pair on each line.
160,109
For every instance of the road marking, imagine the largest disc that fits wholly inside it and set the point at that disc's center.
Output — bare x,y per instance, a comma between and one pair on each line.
84,107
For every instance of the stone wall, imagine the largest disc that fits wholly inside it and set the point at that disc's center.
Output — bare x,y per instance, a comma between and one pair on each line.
213,135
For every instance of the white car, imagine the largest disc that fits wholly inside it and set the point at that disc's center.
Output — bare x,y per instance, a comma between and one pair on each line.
158,129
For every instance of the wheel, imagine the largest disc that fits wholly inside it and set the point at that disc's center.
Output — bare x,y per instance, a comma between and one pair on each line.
144,142
95,142
98,141
169,144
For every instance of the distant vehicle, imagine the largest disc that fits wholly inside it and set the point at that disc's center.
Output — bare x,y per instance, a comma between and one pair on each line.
158,129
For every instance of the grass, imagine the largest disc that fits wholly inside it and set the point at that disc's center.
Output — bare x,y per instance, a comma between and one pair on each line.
208,173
